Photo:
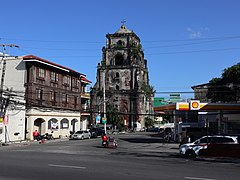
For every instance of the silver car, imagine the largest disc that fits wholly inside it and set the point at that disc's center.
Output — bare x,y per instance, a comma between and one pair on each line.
192,149
81,135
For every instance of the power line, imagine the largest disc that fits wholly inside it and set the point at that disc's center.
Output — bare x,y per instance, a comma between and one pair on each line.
199,90
159,53
52,41
186,44
150,54
146,41
199,39
194,51
61,49
153,47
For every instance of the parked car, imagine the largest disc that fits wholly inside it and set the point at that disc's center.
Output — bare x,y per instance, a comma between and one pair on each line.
97,131
81,135
154,129
191,150
93,134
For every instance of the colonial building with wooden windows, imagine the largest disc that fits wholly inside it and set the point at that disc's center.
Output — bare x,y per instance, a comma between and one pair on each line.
37,94
55,98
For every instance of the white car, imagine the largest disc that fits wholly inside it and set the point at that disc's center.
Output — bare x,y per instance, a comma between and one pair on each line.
192,149
81,135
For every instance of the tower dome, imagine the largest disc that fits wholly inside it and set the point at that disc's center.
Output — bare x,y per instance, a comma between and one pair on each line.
123,29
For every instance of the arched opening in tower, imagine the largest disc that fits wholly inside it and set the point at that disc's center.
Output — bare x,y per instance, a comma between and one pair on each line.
119,60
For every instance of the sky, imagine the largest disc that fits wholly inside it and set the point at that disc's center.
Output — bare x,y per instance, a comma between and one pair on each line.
186,42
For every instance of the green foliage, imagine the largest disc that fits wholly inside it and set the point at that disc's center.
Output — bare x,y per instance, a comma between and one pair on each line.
118,46
148,90
149,122
113,116
136,49
226,88
232,75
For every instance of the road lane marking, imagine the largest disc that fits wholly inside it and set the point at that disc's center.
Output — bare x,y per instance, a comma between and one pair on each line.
197,178
64,166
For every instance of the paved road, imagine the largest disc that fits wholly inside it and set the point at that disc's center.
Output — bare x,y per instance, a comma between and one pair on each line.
139,156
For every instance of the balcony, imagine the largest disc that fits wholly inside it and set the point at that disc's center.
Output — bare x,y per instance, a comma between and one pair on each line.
85,111
85,95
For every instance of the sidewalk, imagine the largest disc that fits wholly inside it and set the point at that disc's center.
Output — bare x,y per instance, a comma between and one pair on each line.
17,143
28,142
219,159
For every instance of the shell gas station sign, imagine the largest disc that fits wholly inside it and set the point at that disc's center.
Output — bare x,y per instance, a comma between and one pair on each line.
182,106
192,105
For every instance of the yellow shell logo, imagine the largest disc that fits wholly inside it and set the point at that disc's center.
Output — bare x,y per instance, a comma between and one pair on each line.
195,104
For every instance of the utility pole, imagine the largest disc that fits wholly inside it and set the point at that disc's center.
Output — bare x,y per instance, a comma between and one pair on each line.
6,117
104,102
4,101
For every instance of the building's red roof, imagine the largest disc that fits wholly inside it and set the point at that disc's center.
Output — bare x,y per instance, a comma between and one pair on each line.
32,57
83,78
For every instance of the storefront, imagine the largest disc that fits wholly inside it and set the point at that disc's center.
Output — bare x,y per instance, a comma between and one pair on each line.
211,118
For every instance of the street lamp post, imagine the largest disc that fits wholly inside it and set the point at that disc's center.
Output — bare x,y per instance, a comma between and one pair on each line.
104,102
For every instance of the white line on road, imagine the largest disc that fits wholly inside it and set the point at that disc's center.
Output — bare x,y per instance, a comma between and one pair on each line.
197,178
64,166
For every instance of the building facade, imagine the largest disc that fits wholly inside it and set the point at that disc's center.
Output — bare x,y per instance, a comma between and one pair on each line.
53,98
12,120
85,103
122,81
41,95
200,92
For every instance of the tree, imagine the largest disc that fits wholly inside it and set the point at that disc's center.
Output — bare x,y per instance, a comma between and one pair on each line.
148,90
149,122
114,117
226,88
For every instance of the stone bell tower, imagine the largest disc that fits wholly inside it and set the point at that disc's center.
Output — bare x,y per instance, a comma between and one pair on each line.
123,81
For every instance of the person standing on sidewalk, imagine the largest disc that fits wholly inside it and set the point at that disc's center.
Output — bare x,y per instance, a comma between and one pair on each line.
35,135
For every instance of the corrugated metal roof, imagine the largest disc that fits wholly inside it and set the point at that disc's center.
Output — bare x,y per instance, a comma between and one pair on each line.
84,79
47,62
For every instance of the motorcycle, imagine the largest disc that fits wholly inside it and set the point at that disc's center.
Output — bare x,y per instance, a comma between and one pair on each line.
47,136
110,143
104,143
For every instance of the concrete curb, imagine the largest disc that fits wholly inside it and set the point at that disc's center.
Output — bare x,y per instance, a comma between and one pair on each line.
28,142
219,159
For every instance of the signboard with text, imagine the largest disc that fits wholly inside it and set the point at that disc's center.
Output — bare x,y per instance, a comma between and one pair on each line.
98,118
104,120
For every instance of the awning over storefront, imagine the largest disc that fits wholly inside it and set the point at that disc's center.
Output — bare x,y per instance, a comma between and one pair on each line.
203,107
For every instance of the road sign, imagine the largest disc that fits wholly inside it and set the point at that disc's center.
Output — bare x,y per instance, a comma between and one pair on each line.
104,120
98,118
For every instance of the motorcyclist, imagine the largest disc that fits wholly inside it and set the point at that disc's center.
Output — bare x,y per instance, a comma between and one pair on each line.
104,139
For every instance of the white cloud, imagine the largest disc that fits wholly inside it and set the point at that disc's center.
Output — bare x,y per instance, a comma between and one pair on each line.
204,29
193,34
